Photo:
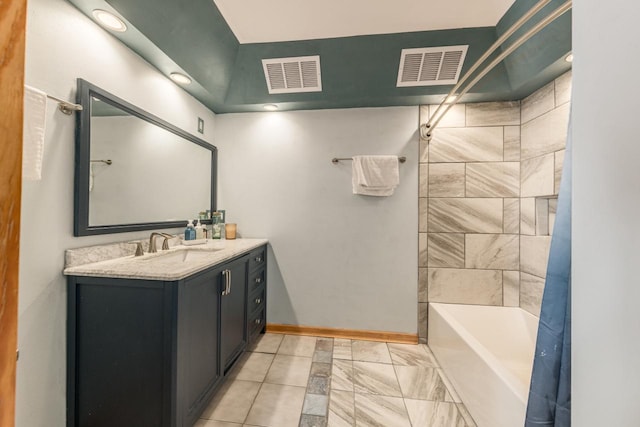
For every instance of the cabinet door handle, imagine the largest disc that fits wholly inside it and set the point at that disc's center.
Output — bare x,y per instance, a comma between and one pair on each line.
227,282
258,300
258,259
258,321
258,279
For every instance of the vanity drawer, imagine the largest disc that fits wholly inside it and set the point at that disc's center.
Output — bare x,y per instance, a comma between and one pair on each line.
256,301
256,279
257,322
257,258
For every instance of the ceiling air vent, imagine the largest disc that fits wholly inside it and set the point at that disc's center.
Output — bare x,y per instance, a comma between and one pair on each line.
293,75
431,66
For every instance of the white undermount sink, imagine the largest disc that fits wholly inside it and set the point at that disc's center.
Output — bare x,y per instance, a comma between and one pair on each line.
184,255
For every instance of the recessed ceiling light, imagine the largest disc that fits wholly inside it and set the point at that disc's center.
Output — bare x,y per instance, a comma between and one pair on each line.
109,20
180,78
569,58
271,107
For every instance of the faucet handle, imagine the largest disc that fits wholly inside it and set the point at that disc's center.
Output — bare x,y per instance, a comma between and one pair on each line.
139,250
165,243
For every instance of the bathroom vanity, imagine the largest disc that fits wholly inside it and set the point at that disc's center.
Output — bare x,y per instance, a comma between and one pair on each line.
152,338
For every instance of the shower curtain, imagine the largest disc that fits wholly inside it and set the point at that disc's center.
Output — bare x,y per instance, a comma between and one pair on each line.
550,391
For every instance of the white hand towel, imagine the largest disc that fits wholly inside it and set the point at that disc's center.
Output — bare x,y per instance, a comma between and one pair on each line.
375,175
35,112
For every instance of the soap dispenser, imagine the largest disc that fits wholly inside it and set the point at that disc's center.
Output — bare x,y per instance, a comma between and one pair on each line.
199,231
189,232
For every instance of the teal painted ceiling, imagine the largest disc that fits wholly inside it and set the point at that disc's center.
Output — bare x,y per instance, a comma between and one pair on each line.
192,37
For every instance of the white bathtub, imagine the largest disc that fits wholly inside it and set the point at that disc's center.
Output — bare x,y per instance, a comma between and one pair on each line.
487,353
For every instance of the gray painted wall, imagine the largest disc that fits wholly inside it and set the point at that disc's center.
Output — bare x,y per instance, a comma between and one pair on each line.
62,45
606,208
338,260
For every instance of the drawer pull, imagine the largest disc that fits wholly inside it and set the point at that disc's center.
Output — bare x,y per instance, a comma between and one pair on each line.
258,300
258,279
258,321
258,259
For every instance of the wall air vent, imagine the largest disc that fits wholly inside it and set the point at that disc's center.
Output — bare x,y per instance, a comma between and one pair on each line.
431,66
293,75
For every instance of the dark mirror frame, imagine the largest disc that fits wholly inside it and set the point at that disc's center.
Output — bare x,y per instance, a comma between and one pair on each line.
81,225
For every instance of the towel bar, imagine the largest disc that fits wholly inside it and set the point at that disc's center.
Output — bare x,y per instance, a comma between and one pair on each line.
337,159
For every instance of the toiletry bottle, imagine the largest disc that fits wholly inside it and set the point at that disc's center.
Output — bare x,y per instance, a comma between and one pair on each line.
199,231
216,232
189,232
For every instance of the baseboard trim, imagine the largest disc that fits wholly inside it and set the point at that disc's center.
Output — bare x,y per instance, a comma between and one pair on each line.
354,334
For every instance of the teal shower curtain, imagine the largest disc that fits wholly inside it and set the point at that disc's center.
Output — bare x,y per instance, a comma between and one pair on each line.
550,391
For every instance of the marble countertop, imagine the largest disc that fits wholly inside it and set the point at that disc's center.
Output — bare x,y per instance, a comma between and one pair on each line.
163,265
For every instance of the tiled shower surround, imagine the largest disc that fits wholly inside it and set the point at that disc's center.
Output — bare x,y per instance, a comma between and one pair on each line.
488,179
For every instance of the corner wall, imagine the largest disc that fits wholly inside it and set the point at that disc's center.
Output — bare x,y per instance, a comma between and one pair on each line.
469,210
62,45
545,117
486,195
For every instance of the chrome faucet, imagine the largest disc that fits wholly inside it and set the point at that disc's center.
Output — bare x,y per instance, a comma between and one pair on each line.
152,242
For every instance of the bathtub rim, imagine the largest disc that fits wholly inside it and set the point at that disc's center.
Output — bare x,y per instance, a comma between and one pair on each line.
515,385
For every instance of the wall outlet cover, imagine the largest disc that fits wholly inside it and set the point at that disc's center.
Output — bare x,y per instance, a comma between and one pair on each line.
200,125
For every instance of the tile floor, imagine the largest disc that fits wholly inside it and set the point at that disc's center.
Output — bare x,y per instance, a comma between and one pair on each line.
297,381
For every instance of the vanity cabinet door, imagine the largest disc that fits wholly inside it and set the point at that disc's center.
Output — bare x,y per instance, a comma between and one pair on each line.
233,316
198,343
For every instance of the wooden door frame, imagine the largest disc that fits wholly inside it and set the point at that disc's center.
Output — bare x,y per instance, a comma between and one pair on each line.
12,52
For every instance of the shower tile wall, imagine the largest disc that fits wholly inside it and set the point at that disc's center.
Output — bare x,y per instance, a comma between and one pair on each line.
484,220
469,207
545,116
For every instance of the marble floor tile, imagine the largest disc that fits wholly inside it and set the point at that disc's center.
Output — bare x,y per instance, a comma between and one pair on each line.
277,406
322,356
321,370
318,385
375,378
253,367
324,344
289,370
315,404
370,351
341,409
267,343
452,394
312,421
342,349
417,382
342,375
381,411
411,355
214,423
434,414
232,402
298,346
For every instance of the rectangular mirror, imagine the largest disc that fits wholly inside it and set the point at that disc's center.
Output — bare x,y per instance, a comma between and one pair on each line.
135,171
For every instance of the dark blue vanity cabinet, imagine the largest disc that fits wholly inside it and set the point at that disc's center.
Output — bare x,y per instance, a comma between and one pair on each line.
149,353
